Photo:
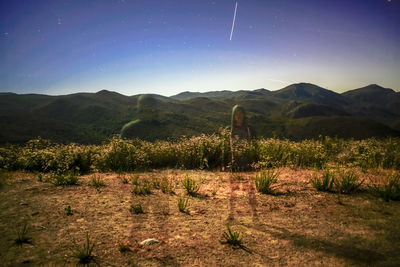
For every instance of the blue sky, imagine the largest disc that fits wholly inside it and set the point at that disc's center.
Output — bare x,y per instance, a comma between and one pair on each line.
170,46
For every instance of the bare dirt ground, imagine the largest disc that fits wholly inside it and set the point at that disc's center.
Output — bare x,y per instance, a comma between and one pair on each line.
298,226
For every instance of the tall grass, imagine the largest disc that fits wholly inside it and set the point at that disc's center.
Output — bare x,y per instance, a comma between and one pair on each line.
201,152
390,190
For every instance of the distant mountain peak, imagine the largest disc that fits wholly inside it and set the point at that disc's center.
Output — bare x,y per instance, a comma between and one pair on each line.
304,83
311,93
374,86
301,90
369,89
262,90
104,92
107,93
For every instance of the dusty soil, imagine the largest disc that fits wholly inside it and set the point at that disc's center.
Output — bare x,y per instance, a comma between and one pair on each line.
297,226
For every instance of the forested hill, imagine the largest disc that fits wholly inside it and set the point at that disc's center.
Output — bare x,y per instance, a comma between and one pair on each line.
296,112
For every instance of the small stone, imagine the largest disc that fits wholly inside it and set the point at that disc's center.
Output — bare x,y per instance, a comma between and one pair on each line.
149,242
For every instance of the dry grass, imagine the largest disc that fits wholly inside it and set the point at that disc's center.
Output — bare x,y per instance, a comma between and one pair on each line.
297,226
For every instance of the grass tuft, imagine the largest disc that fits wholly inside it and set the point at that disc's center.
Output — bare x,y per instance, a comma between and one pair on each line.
65,179
264,180
135,179
347,182
123,248
155,182
232,238
68,210
97,182
84,253
182,204
142,189
166,187
22,236
390,190
137,209
190,185
325,183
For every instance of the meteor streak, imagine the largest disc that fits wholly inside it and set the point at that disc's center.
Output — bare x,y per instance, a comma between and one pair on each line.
234,19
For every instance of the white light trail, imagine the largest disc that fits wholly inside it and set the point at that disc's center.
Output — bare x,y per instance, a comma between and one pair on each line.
234,19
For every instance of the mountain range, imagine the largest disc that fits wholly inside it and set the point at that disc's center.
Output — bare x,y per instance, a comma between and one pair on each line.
298,111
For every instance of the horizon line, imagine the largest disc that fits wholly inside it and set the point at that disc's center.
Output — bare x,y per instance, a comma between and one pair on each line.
187,91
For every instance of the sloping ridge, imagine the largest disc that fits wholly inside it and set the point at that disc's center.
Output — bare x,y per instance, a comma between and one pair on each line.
310,93
311,109
370,93
221,94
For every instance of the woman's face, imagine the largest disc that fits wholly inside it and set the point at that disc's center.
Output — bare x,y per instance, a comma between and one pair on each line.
238,118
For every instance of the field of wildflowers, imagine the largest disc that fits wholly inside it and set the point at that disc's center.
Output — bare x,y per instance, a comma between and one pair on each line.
202,152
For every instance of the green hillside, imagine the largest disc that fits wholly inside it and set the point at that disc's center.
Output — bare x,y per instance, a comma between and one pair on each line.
297,112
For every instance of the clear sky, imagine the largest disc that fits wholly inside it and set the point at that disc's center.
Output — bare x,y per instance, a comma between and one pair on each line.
169,46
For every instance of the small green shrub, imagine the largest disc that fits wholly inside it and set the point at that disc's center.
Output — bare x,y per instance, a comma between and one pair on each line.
325,183
190,185
123,248
347,182
68,210
142,189
84,253
182,204
390,190
232,238
22,236
65,179
97,182
137,209
40,177
264,180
